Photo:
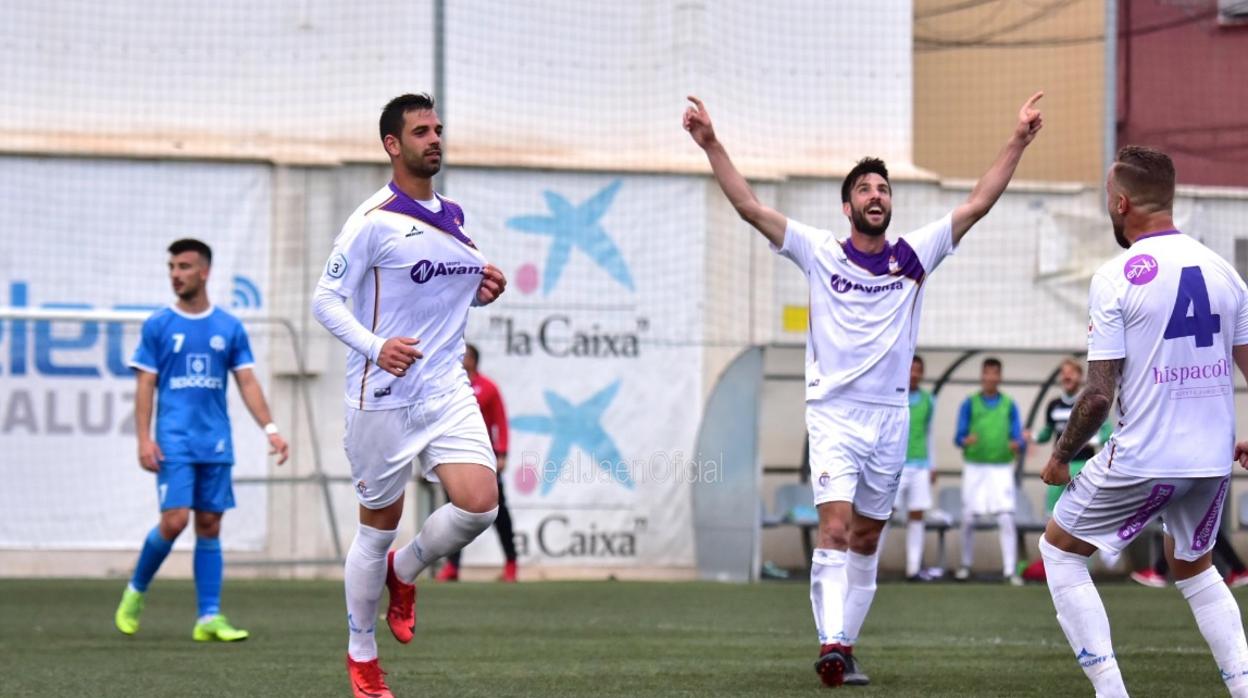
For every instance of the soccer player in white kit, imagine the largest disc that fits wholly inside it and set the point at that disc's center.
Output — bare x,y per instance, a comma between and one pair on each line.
396,290
865,297
1167,319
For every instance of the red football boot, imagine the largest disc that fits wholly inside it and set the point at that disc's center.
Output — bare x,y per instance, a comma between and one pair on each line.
401,613
367,679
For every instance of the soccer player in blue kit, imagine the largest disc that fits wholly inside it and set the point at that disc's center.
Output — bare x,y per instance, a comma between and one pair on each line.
182,360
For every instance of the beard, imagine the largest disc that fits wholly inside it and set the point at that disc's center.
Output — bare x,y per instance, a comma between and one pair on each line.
1119,234
418,166
862,225
188,292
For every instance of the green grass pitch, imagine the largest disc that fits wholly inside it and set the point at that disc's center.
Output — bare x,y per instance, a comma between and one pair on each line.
587,639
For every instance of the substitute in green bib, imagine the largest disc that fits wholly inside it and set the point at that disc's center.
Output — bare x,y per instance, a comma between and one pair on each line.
990,435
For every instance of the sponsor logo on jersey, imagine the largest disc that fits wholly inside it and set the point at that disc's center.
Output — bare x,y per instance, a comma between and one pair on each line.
1140,269
424,270
414,231
198,374
1182,374
841,284
381,392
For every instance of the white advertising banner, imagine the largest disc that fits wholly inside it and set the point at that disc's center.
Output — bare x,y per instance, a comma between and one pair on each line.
595,349
92,234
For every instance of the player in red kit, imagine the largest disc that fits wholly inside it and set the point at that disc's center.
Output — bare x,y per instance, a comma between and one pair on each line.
495,414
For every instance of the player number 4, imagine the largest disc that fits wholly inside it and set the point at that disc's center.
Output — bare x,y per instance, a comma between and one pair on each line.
1202,323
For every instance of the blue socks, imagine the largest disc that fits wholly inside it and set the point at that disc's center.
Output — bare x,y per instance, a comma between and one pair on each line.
209,567
208,563
155,550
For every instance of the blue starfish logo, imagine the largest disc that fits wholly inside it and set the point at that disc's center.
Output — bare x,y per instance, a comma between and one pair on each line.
575,425
576,226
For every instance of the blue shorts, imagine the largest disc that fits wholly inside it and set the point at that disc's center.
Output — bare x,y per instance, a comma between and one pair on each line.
198,486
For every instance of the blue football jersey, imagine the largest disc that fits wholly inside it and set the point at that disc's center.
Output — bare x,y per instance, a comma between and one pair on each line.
192,357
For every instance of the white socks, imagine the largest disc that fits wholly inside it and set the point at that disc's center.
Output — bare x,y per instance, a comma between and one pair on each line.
364,577
968,539
914,547
1009,543
827,593
1082,617
860,578
1217,616
1008,532
447,529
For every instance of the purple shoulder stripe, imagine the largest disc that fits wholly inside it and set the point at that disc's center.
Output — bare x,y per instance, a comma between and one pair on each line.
905,262
876,263
449,220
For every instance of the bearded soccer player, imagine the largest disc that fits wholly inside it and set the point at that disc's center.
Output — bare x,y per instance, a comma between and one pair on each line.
865,297
1167,318
396,290
182,364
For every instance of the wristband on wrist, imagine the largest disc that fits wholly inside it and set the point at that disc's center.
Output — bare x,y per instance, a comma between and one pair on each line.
270,428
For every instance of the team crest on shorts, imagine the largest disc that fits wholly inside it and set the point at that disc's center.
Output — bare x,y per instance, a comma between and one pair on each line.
824,479
361,486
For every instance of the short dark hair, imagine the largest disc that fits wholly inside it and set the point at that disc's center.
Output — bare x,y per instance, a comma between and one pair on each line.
472,349
1146,175
391,123
918,360
865,166
993,362
192,245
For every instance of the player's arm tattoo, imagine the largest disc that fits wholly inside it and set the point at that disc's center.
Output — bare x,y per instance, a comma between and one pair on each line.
1091,409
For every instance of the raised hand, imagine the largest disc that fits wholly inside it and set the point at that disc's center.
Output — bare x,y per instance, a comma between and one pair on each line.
1030,120
697,121
397,354
1241,454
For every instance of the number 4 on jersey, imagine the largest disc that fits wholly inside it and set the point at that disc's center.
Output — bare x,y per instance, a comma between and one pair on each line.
1202,323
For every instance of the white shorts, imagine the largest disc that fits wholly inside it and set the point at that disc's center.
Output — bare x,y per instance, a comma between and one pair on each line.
915,492
987,489
856,453
381,444
1109,509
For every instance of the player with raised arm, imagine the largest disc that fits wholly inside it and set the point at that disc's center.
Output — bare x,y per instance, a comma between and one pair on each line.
181,364
1167,319
396,290
865,298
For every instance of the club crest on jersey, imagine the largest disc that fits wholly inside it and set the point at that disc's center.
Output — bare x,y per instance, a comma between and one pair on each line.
217,342
893,266
1140,269
424,270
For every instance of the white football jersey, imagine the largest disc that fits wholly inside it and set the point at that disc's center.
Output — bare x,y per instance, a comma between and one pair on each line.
1172,310
864,309
407,271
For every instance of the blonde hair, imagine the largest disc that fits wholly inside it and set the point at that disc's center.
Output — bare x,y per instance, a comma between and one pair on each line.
1073,363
